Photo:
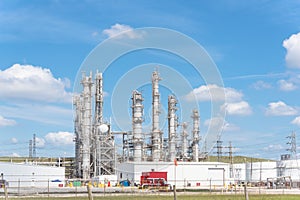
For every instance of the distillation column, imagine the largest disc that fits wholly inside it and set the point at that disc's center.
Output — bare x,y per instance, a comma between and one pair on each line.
99,100
196,137
156,133
172,125
98,121
137,119
184,139
86,124
77,130
104,146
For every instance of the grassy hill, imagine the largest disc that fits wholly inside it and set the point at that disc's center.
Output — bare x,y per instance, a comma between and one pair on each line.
236,159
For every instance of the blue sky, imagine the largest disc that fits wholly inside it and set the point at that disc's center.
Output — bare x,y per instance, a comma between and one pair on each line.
254,44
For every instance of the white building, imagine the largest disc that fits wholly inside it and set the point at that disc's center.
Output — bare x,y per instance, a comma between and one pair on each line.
239,172
289,168
260,171
187,173
29,175
254,171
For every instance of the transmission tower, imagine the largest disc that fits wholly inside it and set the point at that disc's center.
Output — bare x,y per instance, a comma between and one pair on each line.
230,153
219,148
292,143
230,159
34,147
30,148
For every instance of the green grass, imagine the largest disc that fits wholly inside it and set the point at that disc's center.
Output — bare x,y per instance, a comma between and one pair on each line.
179,197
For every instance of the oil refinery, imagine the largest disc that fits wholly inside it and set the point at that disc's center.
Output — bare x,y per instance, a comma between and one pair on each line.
143,158
95,151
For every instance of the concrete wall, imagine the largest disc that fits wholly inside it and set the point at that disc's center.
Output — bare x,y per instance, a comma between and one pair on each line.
28,175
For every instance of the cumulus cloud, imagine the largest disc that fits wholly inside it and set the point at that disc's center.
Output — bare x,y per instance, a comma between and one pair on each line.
286,85
40,142
117,29
261,85
14,140
273,147
220,122
205,93
292,46
15,155
6,122
60,138
237,108
27,82
280,109
296,121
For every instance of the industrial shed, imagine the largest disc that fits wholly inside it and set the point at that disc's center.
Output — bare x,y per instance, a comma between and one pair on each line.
31,175
192,174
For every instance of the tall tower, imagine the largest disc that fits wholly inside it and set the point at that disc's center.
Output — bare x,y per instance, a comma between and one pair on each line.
86,124
172,125
103,147
184,139
137,119
196,138
98,121
156,132
99,100
34,146
78,134
30,148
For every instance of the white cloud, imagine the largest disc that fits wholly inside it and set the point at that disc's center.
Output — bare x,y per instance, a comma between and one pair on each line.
14,140
204,93
292,45
296,121
280,109
261,85
237,108
40,142
117,29
60,138
15,155
220,122
273,147
6,122
286,85
27,82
